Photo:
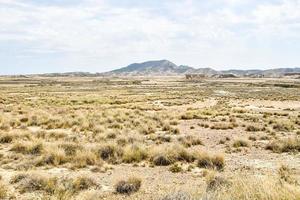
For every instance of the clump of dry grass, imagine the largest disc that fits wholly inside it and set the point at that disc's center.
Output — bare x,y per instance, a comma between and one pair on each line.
166,127
70,148
174,131
204,125
3,191
85,158
129,186
174,122
240,143
214,181
283,126
134,153
189,141
242,187
175,168
34,182
31,182
161,139
53,156
83,183
6,138
177,196
287,145
75,156
252,128
163,156
252,138
147,129
285,174
4,126
222,126
34,148
162,160
110,153
204,160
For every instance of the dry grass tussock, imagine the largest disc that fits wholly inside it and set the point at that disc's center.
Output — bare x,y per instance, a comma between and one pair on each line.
286,145
166,155
3,191
249,188
205,160
129,186
241,187
51,185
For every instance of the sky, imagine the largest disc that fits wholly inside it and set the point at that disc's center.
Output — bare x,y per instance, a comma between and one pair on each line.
39,36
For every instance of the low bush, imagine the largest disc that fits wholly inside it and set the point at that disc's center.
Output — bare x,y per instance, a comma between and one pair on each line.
83,183
283,126
240,143
28,148
175,168
34,182
31,182
6,139
134,153
222,126
287,145
242,187
53,156
3,191
162,160
207,161
189,141
110,153
129,186
252,128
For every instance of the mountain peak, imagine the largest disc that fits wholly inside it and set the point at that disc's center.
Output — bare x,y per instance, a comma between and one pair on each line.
154,67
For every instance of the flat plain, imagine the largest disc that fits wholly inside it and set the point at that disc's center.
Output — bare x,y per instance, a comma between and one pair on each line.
149,138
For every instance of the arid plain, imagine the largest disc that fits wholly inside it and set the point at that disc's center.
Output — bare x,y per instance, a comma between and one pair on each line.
149,138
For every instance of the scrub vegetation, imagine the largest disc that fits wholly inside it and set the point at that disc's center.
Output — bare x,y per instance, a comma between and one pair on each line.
149,138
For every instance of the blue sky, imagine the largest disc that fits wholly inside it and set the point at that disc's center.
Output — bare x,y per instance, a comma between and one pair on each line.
39,36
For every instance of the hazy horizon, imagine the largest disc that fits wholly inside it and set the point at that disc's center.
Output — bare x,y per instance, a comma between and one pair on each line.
43,36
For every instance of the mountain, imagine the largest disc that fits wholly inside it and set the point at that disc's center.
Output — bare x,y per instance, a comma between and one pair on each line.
70,74
206,71
165,68
280,72
242,72
158,67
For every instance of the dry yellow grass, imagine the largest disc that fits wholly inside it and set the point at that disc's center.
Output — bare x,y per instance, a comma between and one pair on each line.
262,188
165,131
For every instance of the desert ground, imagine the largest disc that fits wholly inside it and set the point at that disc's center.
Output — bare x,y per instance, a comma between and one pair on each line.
162,138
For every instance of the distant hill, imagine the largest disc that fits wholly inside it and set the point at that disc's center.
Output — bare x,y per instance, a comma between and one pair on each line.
242,72
206,71
168,68
165,68
159,67
280,72
70,74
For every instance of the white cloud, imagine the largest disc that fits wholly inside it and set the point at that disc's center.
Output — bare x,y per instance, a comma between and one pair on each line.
101,33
